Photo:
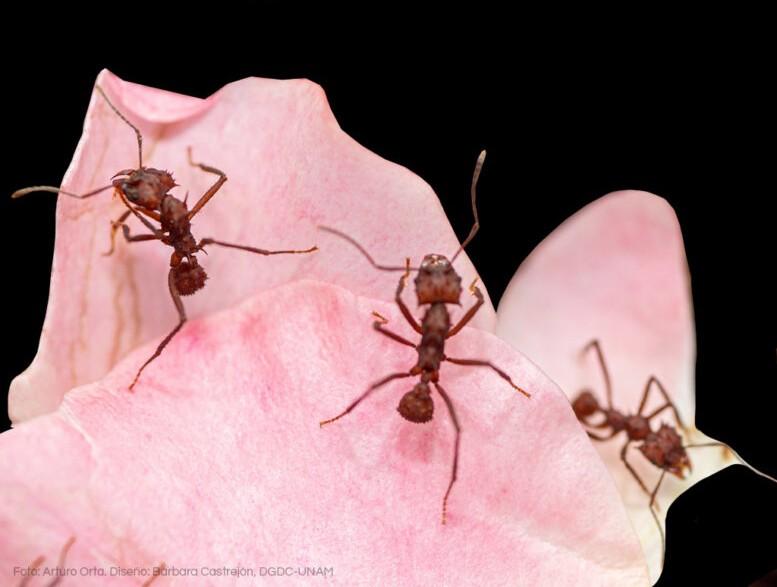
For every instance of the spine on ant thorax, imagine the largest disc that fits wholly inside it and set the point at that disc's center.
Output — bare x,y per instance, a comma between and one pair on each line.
435,325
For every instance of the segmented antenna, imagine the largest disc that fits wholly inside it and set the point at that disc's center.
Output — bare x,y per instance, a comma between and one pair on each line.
364,252
473,193
124,118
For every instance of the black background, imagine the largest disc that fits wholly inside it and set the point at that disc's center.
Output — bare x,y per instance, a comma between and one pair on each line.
694,126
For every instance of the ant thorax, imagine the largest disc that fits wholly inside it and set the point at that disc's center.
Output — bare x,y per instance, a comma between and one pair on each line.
436,324
437,281
145,187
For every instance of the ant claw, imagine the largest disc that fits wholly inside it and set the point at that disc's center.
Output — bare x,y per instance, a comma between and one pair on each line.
473,286
381,319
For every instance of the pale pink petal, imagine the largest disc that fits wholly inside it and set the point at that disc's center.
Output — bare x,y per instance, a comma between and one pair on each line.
615,271
290,168
218,459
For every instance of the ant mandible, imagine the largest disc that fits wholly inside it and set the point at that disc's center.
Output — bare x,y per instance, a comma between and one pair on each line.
145,193
662,447
436,284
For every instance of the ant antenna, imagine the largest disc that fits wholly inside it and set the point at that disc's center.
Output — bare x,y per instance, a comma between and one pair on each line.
53,190
124,118
473,193
365,253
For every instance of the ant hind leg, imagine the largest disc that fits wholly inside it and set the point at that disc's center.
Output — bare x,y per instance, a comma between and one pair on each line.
457,427
181,321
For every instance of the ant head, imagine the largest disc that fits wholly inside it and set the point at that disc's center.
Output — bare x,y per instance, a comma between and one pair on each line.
437,281
665,450
585,405
145,186
417,405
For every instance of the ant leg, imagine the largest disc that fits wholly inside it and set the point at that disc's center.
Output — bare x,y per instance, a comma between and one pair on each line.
181,320
134,238
115,224
630,468
402,307
471,312
594,344
655,517
455,469
598,438
379,326
61,562
212,190
363,396
210,241
478,363
669,403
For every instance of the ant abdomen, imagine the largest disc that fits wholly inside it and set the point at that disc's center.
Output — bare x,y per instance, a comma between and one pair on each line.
417,405
189,277
585,405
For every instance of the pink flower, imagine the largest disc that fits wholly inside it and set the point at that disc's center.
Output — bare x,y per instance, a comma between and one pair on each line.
217,460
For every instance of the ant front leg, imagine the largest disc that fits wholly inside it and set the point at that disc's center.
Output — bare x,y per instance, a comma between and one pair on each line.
475,291
181,320
212,190
668,404
398,299
478,363
457,427
209,241
115,224
136,238
379,326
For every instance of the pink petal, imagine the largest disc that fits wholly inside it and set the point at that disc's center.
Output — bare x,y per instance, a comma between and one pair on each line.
218,459
615,271
290,168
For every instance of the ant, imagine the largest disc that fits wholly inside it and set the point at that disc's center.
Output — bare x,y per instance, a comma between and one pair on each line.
662,447
145,193
436,284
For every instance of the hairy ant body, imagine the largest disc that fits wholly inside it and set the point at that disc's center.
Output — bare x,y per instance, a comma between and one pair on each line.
145,193
436,285
663,447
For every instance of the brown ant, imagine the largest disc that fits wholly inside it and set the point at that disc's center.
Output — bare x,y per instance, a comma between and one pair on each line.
436,284
145,192
662,447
